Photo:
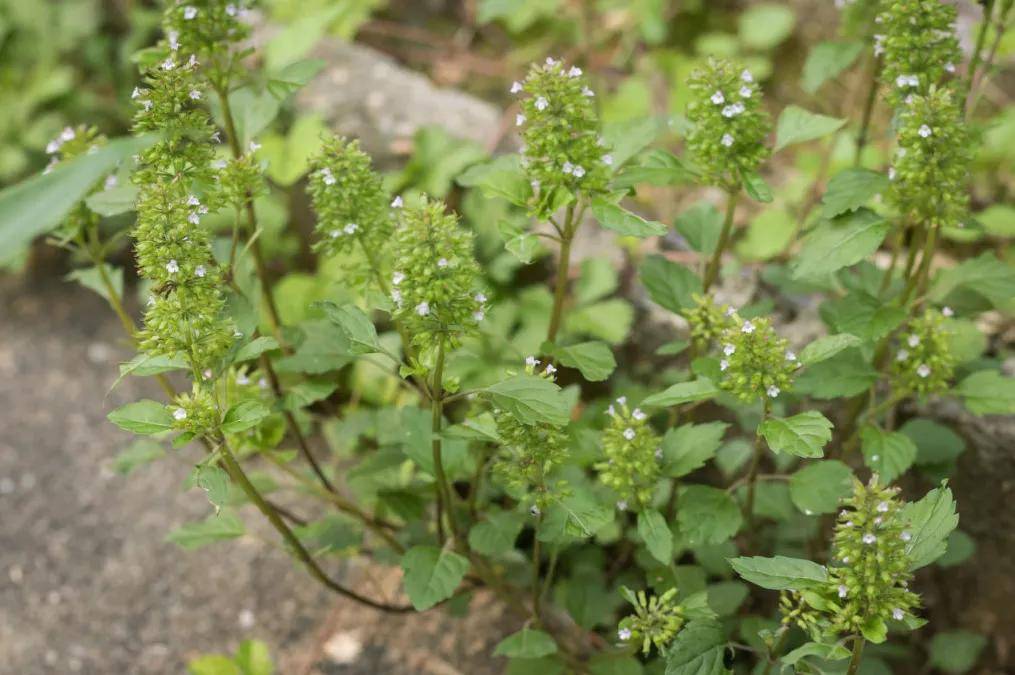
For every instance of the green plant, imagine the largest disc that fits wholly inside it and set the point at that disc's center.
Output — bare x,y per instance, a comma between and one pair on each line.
481,433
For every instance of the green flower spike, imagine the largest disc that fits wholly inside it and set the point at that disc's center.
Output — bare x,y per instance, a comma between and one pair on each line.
755,362
930,175
923,362
435,285
195,413
211,30
564,154
530,452
632,454
728,124
917,41
656,620
708,321
70,143
870,587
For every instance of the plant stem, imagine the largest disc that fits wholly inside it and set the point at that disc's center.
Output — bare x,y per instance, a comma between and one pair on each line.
563,267
712,270
436,418
773,654
999,31
752,475
868,112
974,63
235,472
536,586
854,661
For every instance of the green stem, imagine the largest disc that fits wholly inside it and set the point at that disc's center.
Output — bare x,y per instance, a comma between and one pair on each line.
868,112
536,586
712,270
563,267
443,490
974,63
918,281
773,654
854,661
752,475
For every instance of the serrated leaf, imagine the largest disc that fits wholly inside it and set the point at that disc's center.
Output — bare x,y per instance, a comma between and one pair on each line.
143,365
244,415
780,573
845,374
528,643
531,399
669,284
887,453
689,446
930,520
431,575
707,515
215,483
839,243
655,167
803,435
862,315
682,392
495,535
826,60
627,138
935,443
214,528
656,534
984,275
255,348
756,187
797,125
574,517
502,176
850,189
144,417
624,222
699,649
700,225
355,325
828,652
987,392
594,359
826,347
818,487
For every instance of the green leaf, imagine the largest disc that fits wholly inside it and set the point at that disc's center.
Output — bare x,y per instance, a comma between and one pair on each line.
531,399
431,575
656,534
689,446
818,487
699,649
682,392
765,25
707,515
40,203
308,391
826,60
987,392
495,535
293,43
144,365
935,443
623,222
574,517
244,415
931,520
756,187
839,243
355,325
609,320
700,225
334,533
862,315
253,658
803,435
887,453
768,234
845,374
140,452
669,284
826,347
726,597
528,643
501,177
142,417
213,664
959,548
294,76
91,278
325,348
255,348
850,189
826,652
956,651
215,483
253,110
629,137
594,359
984,275
780,573
655,167
797,125
214,528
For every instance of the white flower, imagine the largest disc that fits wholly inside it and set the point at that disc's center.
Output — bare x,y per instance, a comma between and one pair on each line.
891,173
732,110
192,200
747,328
588,92
327,176
608,160
842,591
397,202
479,297
905,536
727,140
622,505
231,9
906,81
179,414
110,182
950,67
746,91
442,263
773,391
718,98
516,87
396,295
534,510
746,76
542,103
351,228
611,411
174,40
531,361
242,379
168,64
659,453
567,168
397,278
478,315
924,131
882,507
638,414
622,400
194,219
898,614
578,172
913,340
335,234
254,146
845,560
550,369
200,271
172,266
729,350
192,61
624,634
53,147
730,311
923,370
902,355
574,72
869,538
136,93
790,355
519,120
875,458
550,61
878,521
195,95
629,433
189,12
723,365
423,308
948,312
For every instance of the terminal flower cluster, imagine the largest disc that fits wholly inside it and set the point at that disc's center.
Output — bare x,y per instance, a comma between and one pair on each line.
754,361
923,363
633,454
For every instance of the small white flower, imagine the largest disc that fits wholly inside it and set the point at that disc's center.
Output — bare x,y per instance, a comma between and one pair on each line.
53,147
478,315
948,312
351,228
622,505
242,379
219,164
924,131
913,340
588,92
891,173
442,263
397,202
550,61
172,266
174,40
638,414
878,521
923,370
898,614
516,87
727,140
194,219
179,414
531,361
568,168
904,81
624,634
718,98
950,67
747,328
192,200
423,308
629,433
254,146
200,271
335,234
746,76
730,311
745,91
534,510
729,350
168,64
875,458
397,278
189,12
195,95
231,9
659,453
902,355
207,374
519,120
396,295
608,160
869,538
790,355
110,182
849,523
479,297
622,400
723,365
773,391
192,61
550,369
574,72
842,591
578,172
882,507
905,536
136,93
729,111
327,176
542,103
611,411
